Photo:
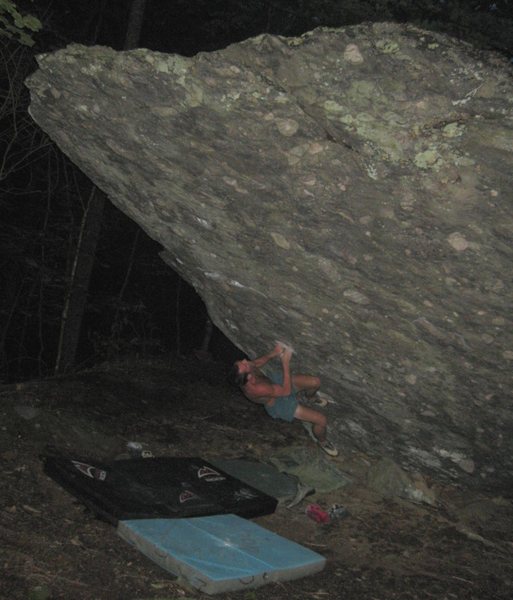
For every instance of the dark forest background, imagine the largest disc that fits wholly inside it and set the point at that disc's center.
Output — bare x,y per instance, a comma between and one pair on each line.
79,282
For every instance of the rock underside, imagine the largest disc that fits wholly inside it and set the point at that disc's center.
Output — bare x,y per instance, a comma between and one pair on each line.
347,192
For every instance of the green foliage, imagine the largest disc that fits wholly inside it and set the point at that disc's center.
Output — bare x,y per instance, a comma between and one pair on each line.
17,26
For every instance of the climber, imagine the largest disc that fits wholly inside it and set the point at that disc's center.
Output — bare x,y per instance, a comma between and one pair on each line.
280,391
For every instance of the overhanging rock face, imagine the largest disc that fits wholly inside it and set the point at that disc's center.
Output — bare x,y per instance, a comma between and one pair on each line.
349,192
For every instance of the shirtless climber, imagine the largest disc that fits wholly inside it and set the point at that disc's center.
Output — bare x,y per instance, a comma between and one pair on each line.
278,393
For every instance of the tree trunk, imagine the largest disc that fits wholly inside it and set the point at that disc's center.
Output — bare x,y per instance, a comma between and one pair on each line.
73,312
74,307
177,317
207,335
135,21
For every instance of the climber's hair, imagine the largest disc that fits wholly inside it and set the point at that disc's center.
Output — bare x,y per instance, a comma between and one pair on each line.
236,377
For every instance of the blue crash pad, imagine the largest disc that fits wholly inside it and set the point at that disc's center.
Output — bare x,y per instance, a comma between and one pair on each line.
220,553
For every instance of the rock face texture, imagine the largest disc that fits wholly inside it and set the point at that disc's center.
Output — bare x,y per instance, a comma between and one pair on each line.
348,192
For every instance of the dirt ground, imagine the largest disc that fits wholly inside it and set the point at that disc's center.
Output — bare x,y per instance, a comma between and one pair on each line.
54,548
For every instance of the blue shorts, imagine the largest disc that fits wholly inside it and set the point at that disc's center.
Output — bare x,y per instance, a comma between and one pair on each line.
284,407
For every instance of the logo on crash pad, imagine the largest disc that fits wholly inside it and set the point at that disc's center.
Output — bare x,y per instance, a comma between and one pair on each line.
90,470
209,474
244,494
187,495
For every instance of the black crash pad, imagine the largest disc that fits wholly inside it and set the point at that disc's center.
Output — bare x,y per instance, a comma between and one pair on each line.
164,487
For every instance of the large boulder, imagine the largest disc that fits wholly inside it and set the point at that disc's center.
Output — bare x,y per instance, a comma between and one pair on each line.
348,192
